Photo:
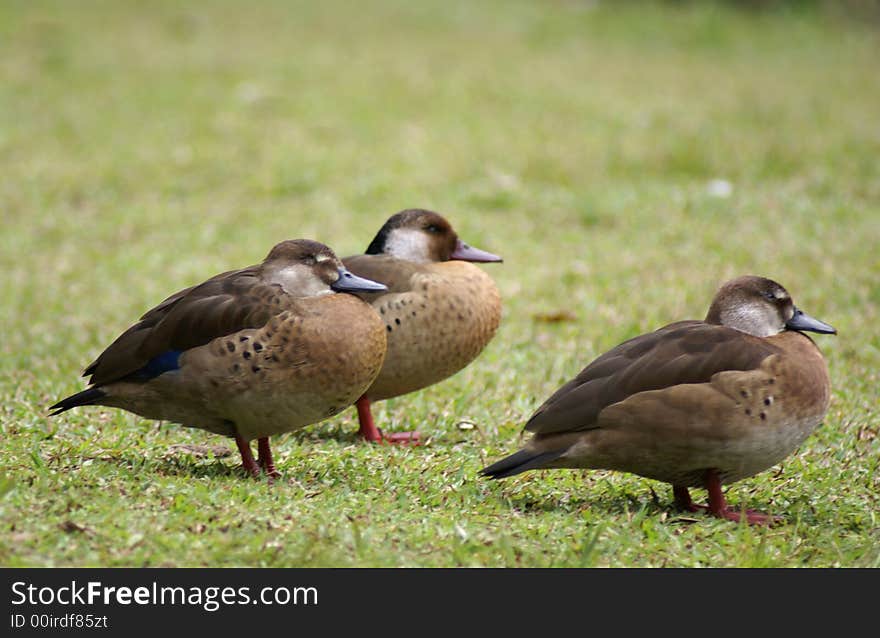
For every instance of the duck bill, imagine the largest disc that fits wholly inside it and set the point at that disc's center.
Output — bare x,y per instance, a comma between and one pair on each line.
349,282
804,322
463,252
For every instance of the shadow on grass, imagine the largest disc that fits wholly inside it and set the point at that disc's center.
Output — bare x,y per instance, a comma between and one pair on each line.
218,460
628,505
619,505
178,464
186,465
309,435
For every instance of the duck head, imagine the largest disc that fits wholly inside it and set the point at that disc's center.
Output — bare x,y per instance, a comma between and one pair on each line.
424,236
306,268
760,307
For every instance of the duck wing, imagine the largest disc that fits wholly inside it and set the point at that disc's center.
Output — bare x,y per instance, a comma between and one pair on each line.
685,352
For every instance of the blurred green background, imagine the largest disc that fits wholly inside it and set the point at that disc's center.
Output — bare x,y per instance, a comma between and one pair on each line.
624,157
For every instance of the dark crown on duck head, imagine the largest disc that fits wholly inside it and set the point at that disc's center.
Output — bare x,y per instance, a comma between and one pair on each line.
301,250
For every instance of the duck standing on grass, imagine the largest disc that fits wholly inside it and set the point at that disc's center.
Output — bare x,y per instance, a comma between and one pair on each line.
695,403
439,310
248,353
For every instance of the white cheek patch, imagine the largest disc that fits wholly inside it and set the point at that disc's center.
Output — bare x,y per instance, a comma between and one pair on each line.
300,281
751,319
409,244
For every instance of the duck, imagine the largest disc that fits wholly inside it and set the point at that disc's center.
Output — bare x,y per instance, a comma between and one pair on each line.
696,404
248,353
440,310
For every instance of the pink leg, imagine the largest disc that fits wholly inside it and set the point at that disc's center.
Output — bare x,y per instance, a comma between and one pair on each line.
247,457
717,502
265,460
718,505
365,416
370,432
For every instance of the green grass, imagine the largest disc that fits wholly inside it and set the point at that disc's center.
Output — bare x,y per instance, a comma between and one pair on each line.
144,148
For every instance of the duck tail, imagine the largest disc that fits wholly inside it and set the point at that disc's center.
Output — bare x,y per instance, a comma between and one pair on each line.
521,461
89,396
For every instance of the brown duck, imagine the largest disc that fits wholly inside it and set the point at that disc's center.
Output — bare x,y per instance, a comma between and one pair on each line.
439,311
248,353
695,403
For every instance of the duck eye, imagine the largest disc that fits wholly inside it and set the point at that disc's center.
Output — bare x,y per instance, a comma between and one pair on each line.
770,296
431,228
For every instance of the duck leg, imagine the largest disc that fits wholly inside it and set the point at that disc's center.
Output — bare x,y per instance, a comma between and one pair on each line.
683,499
264,460
717,503
247,457
370,432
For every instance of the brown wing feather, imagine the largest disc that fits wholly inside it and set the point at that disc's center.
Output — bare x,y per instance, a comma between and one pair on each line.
682,352
229,302
159,310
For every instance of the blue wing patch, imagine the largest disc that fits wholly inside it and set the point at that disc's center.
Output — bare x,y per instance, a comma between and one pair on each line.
165,362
